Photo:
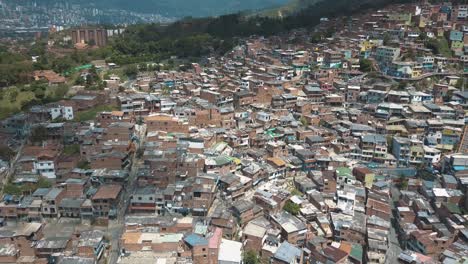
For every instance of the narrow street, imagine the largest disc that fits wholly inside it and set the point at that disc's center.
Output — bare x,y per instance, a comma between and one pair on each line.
116,226
6,175
394,248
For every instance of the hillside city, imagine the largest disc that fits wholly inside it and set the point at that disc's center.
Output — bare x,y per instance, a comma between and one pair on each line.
346,143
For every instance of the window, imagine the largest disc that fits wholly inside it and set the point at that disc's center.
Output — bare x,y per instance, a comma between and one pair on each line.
139,198
151,198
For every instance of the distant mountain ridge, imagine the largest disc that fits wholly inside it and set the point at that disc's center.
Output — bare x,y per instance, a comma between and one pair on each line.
173,8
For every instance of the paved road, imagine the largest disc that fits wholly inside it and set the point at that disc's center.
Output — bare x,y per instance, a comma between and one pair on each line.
129,84
116,227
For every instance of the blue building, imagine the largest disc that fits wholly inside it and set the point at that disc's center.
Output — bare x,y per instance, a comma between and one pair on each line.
456,35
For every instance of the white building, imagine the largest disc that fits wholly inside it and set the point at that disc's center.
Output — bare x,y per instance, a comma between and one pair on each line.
230,252
45,168
431,155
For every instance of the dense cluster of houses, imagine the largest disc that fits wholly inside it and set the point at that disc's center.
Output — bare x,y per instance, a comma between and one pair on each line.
282,149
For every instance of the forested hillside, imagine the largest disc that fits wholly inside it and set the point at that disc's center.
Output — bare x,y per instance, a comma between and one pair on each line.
202,36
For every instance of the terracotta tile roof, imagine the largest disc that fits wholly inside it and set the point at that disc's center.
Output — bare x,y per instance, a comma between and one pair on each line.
107,192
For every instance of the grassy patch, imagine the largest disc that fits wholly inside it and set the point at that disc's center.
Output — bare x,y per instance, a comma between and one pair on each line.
119,72
12,99
14,189
440,46
73,149
444,48
15,99
91,113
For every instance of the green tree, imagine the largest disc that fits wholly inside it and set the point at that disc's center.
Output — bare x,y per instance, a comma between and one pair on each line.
365,65
303,121
92,42
143,66
84,165
12,189
291,208
39,94
61,65
38,134
61,91
296,192
6,153
13,95
439,46
460,83
73,149
386,39
43,183
251,257
131,71
316,38
402,85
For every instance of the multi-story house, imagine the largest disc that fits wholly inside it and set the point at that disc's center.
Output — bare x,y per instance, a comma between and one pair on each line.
292,228
44,164
145,200
91,244
200,193
201,249
106,201
374,147
51,202
385,56
70,207
118,131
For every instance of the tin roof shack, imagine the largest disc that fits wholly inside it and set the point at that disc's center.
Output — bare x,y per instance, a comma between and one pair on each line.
377,204
9,253
106,200
221,217
271,202
234,185
364,175
428,242
22,236
166,123
200,194
76,260
202,249
166,224
109,176
51,201
349,228
253,235
245,211
46,248
91,244
287,254
118,131
150,239
84,101
114,160
292,228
